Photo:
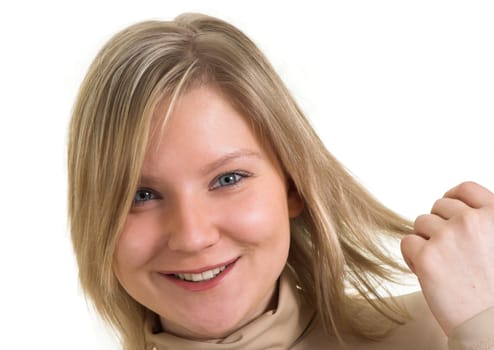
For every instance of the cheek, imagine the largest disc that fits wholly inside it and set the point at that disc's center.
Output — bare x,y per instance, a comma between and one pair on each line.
259,217
138,242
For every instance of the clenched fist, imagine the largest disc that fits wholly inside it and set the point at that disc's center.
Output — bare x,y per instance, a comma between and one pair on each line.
452,254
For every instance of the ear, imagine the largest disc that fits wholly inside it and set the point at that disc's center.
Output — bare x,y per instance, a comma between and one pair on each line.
295,202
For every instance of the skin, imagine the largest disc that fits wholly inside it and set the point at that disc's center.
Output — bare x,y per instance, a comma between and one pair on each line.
451,253
187,222
187,216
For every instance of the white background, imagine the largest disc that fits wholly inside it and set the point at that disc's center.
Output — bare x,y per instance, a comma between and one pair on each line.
401,92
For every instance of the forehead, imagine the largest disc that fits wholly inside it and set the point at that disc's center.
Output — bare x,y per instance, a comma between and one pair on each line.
201,125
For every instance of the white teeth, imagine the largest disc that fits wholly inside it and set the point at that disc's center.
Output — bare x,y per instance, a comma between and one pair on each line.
207,275
199,277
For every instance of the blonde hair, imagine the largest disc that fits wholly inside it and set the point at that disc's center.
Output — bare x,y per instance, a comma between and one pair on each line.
335,242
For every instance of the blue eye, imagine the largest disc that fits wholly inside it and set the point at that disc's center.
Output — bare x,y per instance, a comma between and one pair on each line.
228,179
144,195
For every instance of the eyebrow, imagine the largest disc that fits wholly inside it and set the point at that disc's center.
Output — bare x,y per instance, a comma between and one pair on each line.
210,167
228,157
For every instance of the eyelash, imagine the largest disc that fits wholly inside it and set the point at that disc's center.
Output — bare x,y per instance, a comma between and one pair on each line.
146,191
237,177
144,195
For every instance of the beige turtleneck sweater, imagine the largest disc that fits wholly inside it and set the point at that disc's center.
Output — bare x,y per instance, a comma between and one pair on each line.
295,327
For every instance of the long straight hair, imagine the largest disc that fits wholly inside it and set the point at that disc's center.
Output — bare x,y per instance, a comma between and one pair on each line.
337,241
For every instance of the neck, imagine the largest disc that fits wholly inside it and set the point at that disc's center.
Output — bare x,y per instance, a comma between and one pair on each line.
285,316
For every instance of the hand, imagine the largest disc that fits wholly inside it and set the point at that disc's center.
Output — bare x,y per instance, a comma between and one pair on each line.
452,254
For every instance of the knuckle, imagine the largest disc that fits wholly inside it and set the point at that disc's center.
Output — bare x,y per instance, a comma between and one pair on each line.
406,242
467,186
443,232
436,204
445,238
404,245
419,220
426,261
469,220
440,205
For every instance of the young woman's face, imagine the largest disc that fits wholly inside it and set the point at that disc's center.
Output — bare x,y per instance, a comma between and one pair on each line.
208,234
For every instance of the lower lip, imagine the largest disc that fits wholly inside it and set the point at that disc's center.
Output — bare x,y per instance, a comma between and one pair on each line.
201,286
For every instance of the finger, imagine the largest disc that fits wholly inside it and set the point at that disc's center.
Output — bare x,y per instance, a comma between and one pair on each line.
428,225
472,194
411,245
446,208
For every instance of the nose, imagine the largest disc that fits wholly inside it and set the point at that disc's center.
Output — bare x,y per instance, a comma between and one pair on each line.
190,226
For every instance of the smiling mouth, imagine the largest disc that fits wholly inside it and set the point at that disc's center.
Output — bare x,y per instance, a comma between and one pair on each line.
201,277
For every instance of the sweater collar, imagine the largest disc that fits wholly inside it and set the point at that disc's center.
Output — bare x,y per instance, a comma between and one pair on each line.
275,329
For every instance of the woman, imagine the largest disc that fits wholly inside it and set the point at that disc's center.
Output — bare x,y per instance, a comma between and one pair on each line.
206,213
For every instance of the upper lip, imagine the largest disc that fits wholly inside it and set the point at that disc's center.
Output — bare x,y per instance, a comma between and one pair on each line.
199,270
